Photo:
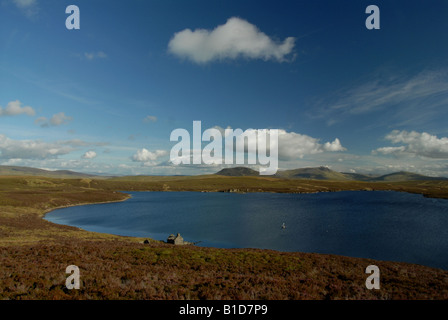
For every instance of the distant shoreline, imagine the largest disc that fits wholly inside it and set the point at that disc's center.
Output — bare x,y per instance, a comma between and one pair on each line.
84,204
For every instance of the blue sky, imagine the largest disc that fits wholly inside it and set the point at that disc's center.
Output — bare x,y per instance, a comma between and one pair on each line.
105,98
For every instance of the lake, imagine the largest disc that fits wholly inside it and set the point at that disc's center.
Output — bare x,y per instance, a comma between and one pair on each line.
381,225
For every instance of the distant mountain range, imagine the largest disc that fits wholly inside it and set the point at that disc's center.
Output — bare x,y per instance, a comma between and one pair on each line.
324,173
27,171
318,173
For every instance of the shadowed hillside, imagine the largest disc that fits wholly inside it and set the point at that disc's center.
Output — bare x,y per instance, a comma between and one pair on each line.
405,176
238,172
27,171
320,173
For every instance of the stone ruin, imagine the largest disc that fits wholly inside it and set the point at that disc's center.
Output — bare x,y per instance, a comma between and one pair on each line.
177,240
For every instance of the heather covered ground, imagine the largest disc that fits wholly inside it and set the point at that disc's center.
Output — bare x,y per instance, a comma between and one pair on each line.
34,253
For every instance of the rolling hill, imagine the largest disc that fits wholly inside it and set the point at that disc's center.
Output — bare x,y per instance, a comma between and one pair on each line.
405,176
320,173
28,171
324,173
238,172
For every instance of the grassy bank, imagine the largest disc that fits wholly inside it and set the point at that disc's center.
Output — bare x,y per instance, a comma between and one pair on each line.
34,253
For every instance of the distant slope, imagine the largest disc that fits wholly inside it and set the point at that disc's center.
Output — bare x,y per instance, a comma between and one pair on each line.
324,173
238,172
359,176
405,176
320,173
27,171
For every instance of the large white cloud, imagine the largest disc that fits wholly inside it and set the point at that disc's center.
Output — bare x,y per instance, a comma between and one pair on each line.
236,38
148,158
295,145
32,149
416,144
292,145
39,150
15,108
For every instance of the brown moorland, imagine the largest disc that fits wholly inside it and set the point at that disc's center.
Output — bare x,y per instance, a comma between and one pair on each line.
34,252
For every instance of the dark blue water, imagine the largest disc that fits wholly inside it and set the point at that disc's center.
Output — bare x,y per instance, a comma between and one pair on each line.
379,225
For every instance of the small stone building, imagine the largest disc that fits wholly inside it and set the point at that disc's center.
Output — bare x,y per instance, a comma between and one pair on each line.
176,239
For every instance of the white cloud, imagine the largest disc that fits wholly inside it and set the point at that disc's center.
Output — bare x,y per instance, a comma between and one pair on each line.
150,119
15,108
416,144
334,146
94,55
295,145
60,118
221,129
25,3
42,121
148,158
292,145
32,149
56,120
89,155
29,7
236,38
402,97
39,150
390,150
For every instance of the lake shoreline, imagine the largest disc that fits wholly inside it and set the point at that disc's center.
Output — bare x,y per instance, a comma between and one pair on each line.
128,196
85,204
264,235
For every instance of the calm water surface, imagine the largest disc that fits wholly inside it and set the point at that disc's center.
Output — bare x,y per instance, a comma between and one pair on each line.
379,225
